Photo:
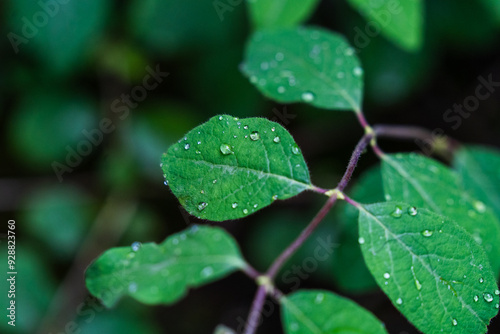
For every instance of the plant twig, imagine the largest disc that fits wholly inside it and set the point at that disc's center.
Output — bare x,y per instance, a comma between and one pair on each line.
254,317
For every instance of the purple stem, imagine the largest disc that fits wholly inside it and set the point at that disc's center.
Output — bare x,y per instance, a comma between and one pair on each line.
255,312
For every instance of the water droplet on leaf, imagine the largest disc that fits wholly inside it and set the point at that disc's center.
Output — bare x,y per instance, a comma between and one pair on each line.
187,146
202,206
426,233
226,149
254,136
387,275
398,212
454,322
319,298
476,298
234,205
361,240
245,211
276,139
307,97
399,301
295,149
207,271
412,211
488,297
136,246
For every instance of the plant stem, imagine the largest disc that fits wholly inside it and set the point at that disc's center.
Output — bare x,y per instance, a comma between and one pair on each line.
353,162
251,272
254,317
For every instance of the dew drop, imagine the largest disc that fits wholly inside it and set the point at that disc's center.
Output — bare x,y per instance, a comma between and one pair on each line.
221,118
245,211
197,152
497,292
187,146
307,97
175,241
281,89
388,197
273,129
276,139
295,149
254,136
488,297
481,280
279,56
357,71
165,182
202,206
255,206
275,197
426,233
207,271
340,75
214,181
454,322
245,127
398,212
132,287
399,301
234,205
226,149
476,298
319,298
412,211
479,206
136,246
387,275
418,285
361,240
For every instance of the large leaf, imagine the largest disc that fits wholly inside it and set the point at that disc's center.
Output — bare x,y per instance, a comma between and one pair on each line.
155,274
280,13
228,168
426,183
401,21
311,65
350,271
432,269
323,312
479,168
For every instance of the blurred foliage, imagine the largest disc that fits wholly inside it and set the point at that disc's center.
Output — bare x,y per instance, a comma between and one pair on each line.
69,65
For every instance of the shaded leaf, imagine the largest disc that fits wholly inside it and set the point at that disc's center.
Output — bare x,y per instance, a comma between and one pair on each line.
426,183
162,273
479,168
400,21
433,271
323,312
309,65
280,13
228,168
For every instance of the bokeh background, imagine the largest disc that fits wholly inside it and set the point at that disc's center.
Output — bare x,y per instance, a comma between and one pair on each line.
61,77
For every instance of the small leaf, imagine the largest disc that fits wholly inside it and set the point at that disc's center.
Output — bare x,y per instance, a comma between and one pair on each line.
350,271
228,168
323,312
280,13
479,170
400,21
162,274
426,183
309,65
435,274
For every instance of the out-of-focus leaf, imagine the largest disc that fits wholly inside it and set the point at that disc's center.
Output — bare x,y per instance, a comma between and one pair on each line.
310,65
400,21
59,217
162,274
221,329
280,13
323,312
47,127
170,27
60,33
493,7
34,285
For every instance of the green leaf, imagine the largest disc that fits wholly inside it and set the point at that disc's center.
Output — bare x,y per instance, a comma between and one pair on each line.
163,273
311,65
479,170
426,183
59,34
221,329
435,274
350,271
228,168
280,13
494,8
323,312
400,21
